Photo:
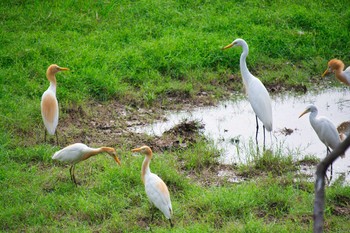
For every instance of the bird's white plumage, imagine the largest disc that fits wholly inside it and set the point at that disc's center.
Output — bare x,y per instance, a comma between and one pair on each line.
324,128
72,153
258,96
50,122
158,194
347,74
156,190
260,101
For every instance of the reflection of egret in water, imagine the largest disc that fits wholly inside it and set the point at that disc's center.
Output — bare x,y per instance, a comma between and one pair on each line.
230,120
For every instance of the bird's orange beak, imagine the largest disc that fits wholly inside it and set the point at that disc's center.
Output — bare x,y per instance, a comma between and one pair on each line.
228,46
136,150
63,68
325,73
303,113
117,160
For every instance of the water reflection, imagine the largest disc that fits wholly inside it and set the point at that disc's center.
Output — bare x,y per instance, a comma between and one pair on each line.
231,125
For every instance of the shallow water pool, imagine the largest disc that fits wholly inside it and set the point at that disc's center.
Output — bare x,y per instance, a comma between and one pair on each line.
231,125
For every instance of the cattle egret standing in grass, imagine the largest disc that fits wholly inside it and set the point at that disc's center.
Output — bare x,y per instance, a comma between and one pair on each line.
337,66
258,96
78,152
49,104
156,189
324,129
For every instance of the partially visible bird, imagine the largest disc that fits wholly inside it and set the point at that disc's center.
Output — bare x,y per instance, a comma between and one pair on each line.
49,104
156,189
78,152
324,128
344,130
258,96
337,66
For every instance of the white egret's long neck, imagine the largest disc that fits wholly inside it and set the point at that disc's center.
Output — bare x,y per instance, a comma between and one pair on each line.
145,166
243,64
312,117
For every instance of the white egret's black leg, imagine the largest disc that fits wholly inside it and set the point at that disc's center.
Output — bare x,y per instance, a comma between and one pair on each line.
171,224
328,152
45,135
257,129
264,135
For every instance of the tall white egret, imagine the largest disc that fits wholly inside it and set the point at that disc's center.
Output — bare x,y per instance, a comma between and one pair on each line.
49,104
258,96
156,189
324,128
337,66
78,152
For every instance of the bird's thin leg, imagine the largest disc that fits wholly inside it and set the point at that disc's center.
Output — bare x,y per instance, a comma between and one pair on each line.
264,136
45,135
56,138
152,211
257,129
75,181
171,224
331,176
70,173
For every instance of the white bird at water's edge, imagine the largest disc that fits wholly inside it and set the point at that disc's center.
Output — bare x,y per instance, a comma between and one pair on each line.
337,67
49,103
78,152
155,188
324,128
258,96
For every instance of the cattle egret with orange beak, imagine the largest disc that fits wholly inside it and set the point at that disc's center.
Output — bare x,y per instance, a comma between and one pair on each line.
78,152
156,189
49,104
258,96
337,67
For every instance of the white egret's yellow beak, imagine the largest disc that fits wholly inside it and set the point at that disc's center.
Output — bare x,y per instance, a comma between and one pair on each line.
228,46
303,113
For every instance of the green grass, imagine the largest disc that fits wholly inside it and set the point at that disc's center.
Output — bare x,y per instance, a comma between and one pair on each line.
139,53
37,195
142,52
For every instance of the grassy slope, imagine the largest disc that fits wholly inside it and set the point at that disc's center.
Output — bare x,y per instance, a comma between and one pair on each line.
140,52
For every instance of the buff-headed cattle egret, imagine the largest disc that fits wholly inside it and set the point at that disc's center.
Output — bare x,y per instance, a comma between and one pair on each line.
344,130
49,104
156,189
324,128
78,152
258,96
337,67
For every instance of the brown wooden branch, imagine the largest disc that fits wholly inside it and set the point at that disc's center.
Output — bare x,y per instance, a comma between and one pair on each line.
320,183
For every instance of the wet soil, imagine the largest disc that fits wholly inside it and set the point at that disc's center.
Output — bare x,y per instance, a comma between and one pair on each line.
111,124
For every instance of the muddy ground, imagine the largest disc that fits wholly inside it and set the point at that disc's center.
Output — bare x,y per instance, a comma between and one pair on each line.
110,124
